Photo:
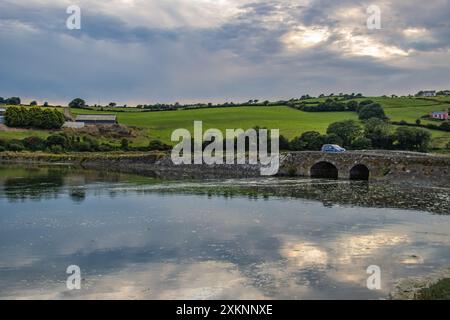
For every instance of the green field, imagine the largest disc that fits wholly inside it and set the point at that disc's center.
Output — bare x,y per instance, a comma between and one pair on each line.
291,122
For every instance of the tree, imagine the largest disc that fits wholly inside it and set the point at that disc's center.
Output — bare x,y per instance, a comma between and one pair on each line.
14,101
51,119
371,111
352,105
332,139
380,133
347,130
361,143
34,117
77,103
414,139
2,100
33,103
310,140
112,104
45,104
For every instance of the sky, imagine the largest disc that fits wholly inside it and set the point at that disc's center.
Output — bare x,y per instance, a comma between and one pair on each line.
150,51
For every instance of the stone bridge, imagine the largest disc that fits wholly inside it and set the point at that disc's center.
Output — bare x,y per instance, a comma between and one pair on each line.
368,165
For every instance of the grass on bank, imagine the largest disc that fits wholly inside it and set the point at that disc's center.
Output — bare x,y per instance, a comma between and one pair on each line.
437,291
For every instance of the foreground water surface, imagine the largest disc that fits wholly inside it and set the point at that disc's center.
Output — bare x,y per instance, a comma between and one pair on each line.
146,238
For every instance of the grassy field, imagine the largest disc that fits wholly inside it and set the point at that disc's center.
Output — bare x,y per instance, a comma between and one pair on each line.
291,122
20,134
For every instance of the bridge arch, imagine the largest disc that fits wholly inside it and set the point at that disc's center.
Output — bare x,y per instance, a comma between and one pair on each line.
359,172
324,170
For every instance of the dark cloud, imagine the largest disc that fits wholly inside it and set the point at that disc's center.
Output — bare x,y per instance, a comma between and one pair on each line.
240,57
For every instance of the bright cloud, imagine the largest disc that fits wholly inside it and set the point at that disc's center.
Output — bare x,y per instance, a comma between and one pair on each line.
304,37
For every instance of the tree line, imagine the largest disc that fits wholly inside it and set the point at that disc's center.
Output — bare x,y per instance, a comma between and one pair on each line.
366,109
21,117
374,134
65,142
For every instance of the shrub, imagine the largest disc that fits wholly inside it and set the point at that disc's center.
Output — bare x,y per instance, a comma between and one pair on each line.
124,144
157,145
58,140
105,147
34,143
15,145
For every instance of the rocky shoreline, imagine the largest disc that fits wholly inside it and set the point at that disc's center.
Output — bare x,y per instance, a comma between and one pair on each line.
405,169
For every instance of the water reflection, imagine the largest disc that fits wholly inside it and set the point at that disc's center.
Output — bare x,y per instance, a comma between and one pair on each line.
141,238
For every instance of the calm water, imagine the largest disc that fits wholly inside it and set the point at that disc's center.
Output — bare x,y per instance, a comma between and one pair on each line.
142,238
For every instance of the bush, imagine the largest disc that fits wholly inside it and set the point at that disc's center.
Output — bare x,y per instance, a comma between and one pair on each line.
157,145
34,143
2,148
105,147
58,140
15,145
124,144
